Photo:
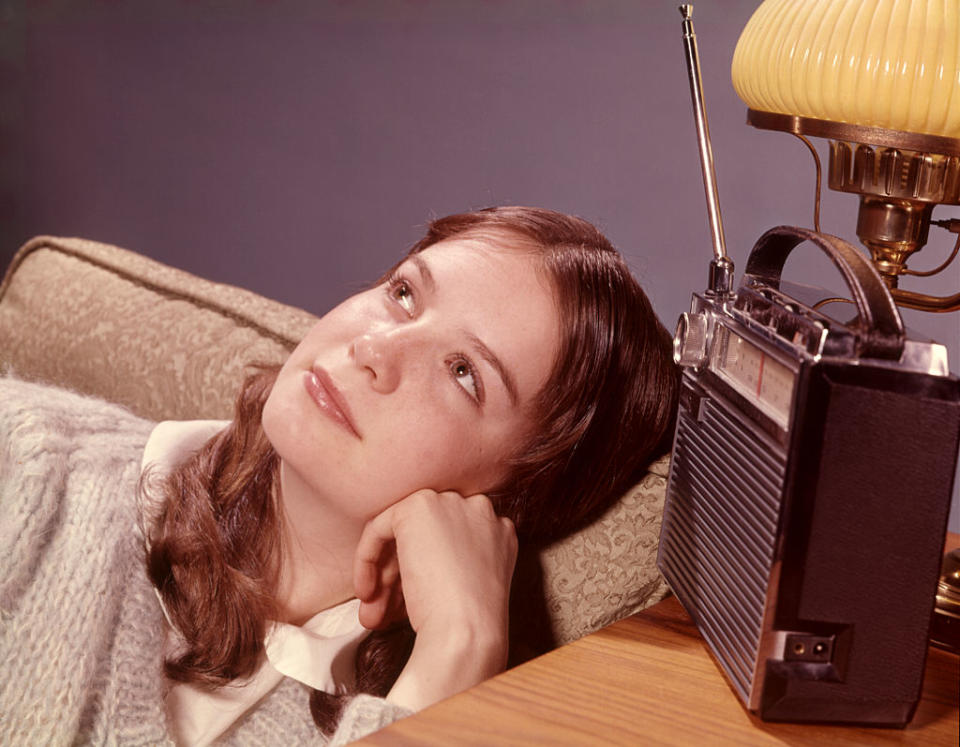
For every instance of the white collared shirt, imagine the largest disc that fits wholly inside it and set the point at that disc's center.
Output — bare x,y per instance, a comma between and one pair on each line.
319,653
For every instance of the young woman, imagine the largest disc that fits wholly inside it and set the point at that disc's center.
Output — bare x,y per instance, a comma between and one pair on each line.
507,379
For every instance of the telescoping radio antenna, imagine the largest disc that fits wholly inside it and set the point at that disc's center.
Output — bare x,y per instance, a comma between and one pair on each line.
721,268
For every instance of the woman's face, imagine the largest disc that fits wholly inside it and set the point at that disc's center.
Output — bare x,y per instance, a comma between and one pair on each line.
427,381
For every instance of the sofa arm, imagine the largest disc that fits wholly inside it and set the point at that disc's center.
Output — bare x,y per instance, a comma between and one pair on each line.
109,322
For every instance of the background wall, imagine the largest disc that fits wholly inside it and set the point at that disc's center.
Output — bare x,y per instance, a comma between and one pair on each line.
295,148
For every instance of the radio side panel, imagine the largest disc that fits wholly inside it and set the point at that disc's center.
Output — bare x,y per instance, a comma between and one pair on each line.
869,488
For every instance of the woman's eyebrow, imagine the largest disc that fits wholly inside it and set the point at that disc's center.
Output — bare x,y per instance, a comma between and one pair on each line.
502,371
509,383
424,269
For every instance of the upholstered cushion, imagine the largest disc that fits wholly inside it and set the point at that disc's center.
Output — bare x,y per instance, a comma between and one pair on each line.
608,570
169,345
106,321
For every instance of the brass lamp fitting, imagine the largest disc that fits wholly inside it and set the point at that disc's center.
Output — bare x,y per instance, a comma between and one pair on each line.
899,176
892,229
898,190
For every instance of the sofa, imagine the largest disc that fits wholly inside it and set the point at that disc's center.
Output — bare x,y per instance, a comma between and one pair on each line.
169,345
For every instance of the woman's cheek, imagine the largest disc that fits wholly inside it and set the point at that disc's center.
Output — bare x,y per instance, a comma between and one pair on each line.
285,421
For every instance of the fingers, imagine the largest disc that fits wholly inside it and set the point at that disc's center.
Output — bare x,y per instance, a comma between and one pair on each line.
510,538
375,570
384,606
373,613
371,559
452,554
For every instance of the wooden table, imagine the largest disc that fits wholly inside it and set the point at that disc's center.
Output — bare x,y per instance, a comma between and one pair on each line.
648,679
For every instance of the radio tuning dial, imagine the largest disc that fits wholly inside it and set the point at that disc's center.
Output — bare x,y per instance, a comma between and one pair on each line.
690,341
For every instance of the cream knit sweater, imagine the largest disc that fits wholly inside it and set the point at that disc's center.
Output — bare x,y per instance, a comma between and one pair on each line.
81,630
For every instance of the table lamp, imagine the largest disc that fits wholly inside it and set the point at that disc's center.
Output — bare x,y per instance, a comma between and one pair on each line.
880,79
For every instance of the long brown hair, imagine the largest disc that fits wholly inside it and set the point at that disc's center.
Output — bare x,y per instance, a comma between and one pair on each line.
213,553
609,403
605,412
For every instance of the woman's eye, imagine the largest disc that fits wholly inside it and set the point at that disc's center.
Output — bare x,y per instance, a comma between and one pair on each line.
465,376
402,293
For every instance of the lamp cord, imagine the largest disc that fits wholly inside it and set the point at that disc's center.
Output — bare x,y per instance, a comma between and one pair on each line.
816,200
950,225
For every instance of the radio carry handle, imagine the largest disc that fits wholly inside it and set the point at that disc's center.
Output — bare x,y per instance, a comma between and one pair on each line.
881,328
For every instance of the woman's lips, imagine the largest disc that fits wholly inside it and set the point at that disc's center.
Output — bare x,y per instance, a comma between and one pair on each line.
325,395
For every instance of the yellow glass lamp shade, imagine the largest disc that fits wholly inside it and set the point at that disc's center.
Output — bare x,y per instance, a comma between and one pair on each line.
891,64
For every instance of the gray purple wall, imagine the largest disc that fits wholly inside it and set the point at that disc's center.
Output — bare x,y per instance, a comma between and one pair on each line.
295,148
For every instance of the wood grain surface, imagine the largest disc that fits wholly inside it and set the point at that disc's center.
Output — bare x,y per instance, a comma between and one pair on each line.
648,679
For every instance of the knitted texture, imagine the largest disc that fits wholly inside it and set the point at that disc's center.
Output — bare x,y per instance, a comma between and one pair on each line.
81,630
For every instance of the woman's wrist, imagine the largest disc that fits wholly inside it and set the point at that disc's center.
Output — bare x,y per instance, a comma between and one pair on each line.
449,659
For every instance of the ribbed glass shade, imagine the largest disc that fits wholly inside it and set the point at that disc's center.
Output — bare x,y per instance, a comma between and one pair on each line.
893,64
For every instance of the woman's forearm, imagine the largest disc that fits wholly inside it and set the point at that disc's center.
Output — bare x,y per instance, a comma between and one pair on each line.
448,660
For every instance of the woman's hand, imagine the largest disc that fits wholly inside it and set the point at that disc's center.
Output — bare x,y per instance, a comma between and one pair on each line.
449,561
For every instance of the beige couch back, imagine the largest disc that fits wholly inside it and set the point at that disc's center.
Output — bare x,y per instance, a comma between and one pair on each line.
106,321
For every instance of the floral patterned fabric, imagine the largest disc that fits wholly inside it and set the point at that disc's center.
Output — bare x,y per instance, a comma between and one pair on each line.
608,570
172,346
106,321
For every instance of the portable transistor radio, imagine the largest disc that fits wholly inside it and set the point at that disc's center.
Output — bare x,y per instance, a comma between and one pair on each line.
810,482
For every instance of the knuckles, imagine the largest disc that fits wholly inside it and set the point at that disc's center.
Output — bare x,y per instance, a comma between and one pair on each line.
476,508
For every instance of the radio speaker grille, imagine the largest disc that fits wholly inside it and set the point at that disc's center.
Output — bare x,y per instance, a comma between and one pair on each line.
718,537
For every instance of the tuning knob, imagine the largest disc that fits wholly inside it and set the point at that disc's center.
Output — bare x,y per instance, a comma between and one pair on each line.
690,340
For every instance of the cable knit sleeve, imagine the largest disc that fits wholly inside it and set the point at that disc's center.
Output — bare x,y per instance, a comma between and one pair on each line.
49,438
32,475
81,628
364,715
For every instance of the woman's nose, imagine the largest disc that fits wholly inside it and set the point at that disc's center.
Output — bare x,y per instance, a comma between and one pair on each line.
379,355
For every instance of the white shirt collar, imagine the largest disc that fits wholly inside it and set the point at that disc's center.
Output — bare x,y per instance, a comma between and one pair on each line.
320,653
